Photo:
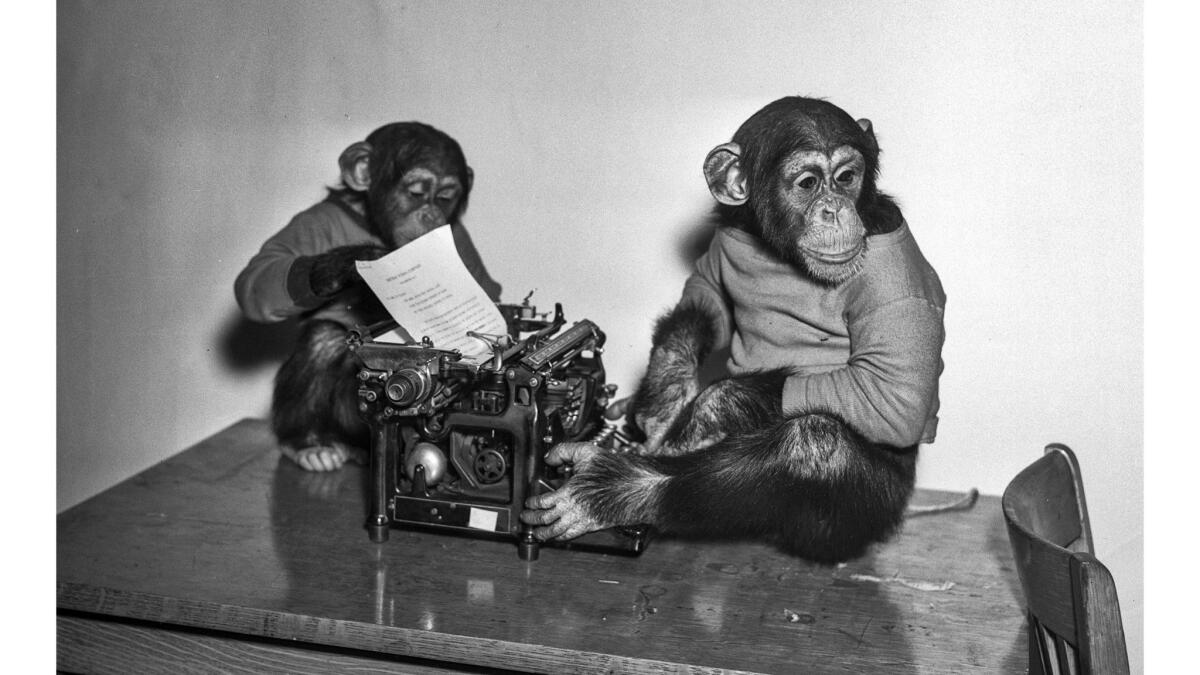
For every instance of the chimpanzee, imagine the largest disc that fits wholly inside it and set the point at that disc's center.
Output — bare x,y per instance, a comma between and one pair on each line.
833,322
404,180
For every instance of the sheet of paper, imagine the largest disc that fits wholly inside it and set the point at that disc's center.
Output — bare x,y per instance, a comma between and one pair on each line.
428,291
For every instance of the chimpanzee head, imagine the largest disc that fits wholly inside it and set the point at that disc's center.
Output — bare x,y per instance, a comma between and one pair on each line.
415,178
800,174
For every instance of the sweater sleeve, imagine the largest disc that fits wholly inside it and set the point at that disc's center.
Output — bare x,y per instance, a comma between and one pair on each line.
273,285
888,389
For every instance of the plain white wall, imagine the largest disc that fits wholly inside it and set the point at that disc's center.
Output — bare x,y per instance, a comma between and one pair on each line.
188,132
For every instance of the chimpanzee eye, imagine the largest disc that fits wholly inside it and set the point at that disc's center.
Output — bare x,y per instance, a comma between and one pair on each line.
846,177
808,182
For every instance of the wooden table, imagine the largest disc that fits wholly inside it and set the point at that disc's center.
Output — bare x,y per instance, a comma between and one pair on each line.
225,558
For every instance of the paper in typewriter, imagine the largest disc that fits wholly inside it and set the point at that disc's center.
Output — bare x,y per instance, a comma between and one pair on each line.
427,290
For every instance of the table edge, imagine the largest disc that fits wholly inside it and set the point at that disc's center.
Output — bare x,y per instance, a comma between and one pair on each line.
408,642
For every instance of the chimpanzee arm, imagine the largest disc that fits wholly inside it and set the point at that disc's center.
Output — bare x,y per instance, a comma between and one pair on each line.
683,338
267,290
888,390
327,274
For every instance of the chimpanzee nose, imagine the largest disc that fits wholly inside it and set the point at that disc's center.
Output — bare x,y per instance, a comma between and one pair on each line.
431,217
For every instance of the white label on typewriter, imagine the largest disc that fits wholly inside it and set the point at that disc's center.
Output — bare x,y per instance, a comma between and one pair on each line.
482,519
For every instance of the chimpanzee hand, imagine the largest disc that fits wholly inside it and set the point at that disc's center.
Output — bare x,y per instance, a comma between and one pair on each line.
334,270
559,513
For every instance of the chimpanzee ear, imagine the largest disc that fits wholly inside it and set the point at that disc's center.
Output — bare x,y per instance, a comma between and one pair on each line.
869,131
723,171
355,169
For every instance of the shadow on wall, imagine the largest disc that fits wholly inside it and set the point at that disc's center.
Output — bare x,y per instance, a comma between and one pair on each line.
693,243
248,346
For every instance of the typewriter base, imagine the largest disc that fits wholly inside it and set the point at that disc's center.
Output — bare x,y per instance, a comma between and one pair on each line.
616,541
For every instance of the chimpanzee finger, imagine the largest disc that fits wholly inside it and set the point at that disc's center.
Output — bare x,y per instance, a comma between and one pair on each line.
540,516
654,441
374,253
543,501
570,453
554,531
574,531
617,409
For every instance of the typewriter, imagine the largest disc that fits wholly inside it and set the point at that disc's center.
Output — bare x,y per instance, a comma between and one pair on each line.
458,445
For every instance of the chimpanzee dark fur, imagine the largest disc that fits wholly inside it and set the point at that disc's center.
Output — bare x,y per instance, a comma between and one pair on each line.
682,339
808,484
323,368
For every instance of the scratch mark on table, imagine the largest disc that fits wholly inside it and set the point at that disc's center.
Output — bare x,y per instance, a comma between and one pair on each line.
864,630
917,585
858,641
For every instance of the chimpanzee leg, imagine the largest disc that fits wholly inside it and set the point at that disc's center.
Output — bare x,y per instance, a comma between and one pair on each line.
809,483
731,406
314,411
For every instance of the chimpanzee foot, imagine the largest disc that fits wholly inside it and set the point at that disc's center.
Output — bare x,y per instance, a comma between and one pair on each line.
322,457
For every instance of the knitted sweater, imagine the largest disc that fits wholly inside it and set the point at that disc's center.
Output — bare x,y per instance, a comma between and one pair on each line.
868,350
263,290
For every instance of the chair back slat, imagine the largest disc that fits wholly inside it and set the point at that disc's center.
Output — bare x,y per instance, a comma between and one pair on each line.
1054,655
1074,617
1046,647
1068,662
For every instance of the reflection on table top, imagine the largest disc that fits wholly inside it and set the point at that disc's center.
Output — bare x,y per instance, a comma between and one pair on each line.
227,536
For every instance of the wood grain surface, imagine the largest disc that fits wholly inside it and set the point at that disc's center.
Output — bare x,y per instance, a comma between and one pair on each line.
229,542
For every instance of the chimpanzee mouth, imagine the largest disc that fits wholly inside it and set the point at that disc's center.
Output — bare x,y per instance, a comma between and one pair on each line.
835,258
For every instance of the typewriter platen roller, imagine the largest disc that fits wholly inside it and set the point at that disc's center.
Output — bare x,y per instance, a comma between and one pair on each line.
459,445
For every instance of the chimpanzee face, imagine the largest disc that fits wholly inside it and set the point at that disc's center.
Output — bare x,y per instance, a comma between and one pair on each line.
799,174
811,216
423,199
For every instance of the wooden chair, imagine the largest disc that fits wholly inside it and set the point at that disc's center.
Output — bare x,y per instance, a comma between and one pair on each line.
1074,617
